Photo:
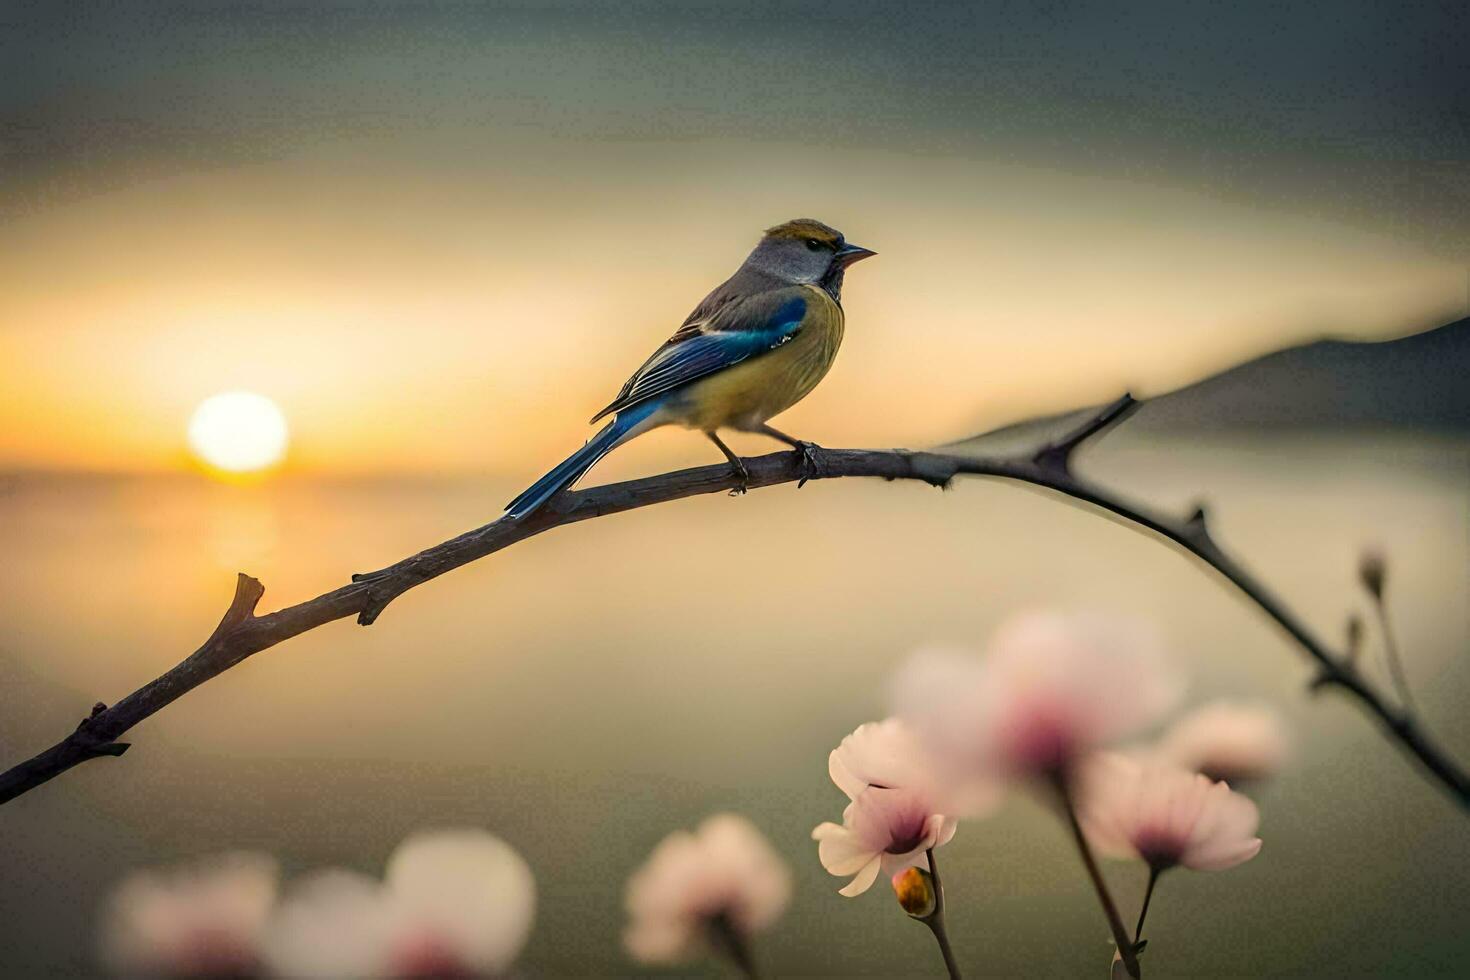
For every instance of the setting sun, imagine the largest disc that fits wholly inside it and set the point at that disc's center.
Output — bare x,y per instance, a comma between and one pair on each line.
238,432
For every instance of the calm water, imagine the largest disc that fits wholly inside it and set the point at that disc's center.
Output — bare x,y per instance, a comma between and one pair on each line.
591,689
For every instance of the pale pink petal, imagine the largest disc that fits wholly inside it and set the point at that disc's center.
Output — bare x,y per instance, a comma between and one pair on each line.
941,693
1239,815
864,879
1102,677
202,918
847,780
895,863
839,850
1052,688
884,753
658,941
332,924
1225,855
470,890
889,819
1143,807
946,830
827,829
1228,740
867,819
1107,801
1190,798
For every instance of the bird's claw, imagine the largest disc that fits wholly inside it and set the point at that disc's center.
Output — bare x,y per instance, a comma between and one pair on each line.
809,466
743,487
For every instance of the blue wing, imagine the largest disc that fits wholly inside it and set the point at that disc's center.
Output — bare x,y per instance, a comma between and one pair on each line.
736,332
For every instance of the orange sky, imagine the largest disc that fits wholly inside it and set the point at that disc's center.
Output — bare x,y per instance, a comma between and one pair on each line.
472,321
441,236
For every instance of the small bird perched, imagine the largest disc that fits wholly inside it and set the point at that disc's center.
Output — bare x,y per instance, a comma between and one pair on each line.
750,350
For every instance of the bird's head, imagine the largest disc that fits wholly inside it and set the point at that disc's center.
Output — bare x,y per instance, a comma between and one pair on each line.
806,251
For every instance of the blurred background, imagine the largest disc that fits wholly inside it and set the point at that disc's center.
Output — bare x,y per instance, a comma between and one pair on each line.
436,238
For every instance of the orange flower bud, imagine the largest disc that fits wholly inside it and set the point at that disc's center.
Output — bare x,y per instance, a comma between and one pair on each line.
915,890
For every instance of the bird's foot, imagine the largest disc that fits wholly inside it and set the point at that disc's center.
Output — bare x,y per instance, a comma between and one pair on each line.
743,475
809,466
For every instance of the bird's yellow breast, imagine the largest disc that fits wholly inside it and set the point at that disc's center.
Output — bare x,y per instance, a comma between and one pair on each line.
750,393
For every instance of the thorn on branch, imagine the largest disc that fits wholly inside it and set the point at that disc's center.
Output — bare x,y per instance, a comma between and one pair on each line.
1337,672
1325,678
1057,455
1197,527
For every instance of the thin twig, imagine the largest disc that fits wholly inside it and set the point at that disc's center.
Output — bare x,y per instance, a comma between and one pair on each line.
1391,655
935,920
242,634
1126,949
1148,895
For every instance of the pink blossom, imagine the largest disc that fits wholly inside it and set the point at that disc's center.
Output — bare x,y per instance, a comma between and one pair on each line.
883,829
202,919
1164,815
332,924
452,903
465,896
1051,688
725,873
1227,740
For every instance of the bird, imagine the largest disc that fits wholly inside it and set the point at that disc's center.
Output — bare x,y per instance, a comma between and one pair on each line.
756,345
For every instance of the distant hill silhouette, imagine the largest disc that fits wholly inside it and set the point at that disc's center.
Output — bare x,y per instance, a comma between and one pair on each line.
1417,382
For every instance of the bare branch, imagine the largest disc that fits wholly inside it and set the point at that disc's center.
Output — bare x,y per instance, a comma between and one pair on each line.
241,633
1057,454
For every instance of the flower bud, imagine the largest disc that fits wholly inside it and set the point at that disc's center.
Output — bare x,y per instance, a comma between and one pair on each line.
915,890
1372,568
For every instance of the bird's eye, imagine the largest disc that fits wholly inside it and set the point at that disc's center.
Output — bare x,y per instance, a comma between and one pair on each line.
813,244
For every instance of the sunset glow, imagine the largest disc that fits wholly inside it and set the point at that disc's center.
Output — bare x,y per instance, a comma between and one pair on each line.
238,432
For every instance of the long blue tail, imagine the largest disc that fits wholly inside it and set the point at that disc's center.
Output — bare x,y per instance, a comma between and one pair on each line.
579,462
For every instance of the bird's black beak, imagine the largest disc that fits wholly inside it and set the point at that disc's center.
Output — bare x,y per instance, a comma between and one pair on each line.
848,254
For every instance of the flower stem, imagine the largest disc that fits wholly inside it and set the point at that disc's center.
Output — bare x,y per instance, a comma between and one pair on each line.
1153,879
727,939
1125,948
935,922
1391,655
